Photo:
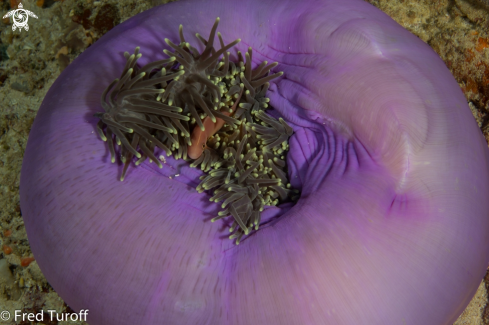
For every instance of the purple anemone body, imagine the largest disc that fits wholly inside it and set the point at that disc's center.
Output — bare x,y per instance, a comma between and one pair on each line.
392,226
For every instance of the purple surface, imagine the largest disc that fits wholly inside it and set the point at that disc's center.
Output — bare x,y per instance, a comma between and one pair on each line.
393,223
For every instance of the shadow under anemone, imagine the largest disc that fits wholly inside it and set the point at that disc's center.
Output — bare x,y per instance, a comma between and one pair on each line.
391,225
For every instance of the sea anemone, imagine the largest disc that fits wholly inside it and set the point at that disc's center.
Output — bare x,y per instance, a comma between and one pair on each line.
392,221
231,134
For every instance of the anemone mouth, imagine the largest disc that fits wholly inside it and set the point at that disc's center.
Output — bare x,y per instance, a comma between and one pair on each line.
209,111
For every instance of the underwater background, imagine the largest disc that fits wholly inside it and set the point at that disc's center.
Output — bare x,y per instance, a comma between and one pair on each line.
30,61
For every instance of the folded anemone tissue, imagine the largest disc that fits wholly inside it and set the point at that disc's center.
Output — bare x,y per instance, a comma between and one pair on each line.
258,162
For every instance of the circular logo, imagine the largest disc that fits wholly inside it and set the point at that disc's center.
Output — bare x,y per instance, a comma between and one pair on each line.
4,315
20,17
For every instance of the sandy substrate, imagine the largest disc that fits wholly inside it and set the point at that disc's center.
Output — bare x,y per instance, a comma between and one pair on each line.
31,61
